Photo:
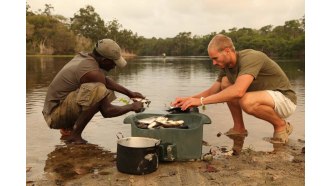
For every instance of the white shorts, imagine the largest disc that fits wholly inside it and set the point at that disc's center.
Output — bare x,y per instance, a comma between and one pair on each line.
284,107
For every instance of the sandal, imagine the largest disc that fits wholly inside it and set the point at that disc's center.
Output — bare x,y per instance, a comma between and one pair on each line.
232,132
282,136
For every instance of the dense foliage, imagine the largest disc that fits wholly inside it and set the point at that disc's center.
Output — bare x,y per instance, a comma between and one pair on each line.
55,34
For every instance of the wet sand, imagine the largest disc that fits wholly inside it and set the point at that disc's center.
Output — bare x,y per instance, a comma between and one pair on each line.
91,165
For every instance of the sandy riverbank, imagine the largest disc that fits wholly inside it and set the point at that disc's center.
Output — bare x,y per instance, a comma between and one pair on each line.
92,166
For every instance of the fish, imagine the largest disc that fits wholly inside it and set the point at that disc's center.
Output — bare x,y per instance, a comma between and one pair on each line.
145,100
161,119
174,110
147,120
152,125
160,122
172,123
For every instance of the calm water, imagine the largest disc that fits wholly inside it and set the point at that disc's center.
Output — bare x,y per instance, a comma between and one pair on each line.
160,80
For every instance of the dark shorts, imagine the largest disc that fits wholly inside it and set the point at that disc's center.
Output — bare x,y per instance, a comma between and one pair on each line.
66,113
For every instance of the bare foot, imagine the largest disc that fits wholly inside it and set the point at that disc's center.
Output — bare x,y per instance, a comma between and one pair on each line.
65,133
74,139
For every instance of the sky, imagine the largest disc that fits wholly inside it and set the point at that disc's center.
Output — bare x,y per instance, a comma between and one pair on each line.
167,18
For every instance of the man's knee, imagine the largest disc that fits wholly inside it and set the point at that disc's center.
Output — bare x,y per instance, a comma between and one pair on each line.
96,90
90,94
247,104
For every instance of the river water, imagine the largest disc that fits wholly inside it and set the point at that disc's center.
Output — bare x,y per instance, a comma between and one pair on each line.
160,80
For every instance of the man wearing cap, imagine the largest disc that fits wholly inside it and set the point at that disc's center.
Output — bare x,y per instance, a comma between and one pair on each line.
81,89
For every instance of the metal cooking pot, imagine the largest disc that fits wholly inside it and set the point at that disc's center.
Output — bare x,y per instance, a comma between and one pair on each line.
137,155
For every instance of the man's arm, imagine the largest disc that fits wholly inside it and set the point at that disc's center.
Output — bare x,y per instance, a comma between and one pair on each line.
232,92
179,101
98,76
93,76
110,84
215,88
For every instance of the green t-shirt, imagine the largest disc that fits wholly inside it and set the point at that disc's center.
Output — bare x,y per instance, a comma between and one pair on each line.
267,74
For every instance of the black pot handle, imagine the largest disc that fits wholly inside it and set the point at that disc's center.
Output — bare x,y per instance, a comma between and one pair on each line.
168,152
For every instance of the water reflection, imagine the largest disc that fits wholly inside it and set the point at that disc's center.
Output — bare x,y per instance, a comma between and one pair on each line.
41,70
238,142
69,162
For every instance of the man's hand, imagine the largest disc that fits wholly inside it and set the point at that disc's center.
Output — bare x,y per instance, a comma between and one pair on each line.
190,102
136,95
179,101
137,107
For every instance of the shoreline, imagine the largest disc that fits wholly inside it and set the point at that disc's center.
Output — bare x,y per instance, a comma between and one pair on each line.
283,166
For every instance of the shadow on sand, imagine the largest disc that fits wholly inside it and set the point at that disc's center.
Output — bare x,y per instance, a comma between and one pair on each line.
69,162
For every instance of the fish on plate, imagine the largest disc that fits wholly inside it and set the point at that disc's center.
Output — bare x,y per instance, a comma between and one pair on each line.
159,122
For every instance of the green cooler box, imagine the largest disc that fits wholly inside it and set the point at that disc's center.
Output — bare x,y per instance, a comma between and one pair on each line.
177,144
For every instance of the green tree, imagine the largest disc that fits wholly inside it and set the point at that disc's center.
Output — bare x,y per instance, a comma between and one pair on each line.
292,29
183,44
45,34
113,28
265,30
48,9
302,23
54,34
88,23
28,11
63,40
43,28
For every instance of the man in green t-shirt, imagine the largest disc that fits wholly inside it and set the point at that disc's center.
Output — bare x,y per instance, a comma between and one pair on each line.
250,81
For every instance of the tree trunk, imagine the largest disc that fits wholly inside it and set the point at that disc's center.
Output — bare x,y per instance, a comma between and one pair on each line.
43,49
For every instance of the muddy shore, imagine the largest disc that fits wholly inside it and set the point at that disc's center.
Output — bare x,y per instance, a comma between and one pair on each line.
285,165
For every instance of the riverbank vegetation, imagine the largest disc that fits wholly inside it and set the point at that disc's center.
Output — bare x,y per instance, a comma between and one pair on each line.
48,34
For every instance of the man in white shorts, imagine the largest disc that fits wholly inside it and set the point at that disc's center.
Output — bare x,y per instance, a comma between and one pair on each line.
250,81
